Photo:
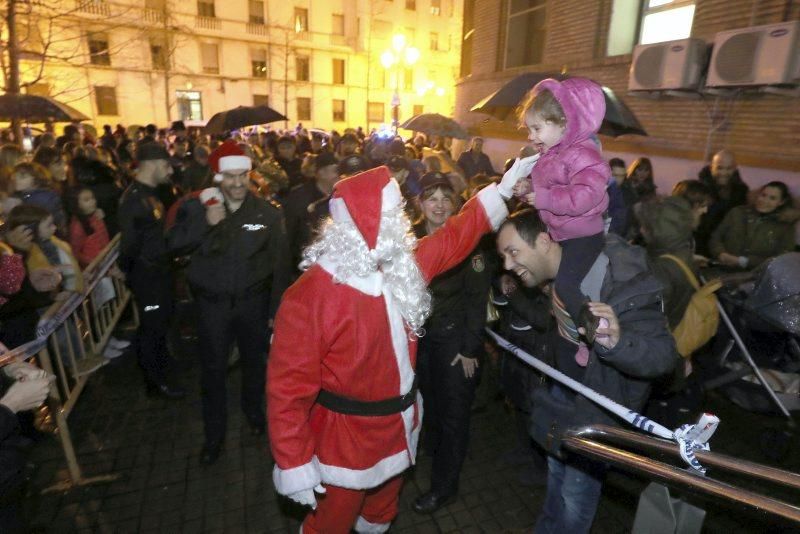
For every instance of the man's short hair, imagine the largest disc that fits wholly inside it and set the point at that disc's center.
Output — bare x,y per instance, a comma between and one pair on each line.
527,223
695,191
616,162
287,140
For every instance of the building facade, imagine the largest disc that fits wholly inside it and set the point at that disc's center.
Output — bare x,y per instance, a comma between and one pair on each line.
502,39
319,63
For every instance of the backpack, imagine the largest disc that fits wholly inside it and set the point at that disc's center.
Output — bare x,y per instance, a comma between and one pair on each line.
701,318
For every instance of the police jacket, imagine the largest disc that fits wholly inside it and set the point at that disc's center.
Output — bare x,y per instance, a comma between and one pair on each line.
243,254
143,248
297,210
460,296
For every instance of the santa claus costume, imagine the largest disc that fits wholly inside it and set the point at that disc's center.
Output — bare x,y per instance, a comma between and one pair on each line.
343,409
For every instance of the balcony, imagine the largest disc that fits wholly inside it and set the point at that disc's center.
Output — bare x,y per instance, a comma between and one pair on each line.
257,29
93,7
207,23
153,16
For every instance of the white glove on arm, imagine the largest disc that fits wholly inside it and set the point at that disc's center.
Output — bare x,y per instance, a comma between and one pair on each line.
520,169
306,497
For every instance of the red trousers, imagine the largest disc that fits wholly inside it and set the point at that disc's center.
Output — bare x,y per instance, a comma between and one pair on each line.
339,508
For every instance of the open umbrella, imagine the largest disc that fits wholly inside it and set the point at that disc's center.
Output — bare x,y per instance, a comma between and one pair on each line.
502,104
242,116
435,124
36,108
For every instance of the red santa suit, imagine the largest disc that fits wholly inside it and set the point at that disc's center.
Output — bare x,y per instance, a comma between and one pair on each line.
349,338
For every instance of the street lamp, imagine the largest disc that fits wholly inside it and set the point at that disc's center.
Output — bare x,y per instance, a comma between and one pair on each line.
400,54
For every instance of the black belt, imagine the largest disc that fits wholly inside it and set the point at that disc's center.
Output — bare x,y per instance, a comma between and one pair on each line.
344,405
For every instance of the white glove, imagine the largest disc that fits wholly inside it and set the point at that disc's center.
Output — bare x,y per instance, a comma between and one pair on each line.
520,169
306,497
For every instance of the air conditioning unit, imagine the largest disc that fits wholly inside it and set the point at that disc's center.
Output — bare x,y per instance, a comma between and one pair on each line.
761,55
668,65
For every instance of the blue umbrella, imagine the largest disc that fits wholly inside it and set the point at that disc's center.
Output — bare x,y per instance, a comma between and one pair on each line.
502,104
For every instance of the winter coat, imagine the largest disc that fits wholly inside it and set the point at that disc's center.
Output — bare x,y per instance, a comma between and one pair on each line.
87,247
101,179
756,236
645,350
471,167
737,196
73,281
570,179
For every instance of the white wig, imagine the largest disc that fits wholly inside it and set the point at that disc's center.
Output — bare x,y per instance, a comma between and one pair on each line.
393,256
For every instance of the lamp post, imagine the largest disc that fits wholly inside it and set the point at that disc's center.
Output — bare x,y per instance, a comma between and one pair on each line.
400,54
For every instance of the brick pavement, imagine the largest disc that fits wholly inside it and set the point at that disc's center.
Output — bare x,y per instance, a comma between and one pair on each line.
154,446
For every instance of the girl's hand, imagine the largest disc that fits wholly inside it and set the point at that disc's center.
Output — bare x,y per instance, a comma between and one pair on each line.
100,214
530,199
522,187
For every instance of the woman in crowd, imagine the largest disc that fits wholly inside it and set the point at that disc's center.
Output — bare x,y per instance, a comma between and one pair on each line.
447,361
103,182
638,188
749,235
32,186
50,159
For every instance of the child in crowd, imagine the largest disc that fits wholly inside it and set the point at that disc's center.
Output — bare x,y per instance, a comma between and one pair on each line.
87,231
32,186
569,189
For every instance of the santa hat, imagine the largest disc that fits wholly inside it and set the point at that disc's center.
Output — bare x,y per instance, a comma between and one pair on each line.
228,157
362,198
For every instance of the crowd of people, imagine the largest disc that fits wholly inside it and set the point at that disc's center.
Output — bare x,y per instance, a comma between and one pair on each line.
364,265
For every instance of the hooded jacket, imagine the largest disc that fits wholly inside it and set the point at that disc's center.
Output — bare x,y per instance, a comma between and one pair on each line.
570,179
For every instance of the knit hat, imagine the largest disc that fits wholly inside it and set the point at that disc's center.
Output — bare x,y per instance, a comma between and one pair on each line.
228,157
362,198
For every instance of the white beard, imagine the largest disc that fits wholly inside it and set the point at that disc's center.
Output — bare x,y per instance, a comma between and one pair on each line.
393,256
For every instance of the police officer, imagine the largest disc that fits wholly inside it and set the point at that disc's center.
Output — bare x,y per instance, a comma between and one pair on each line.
447,359
145,260
238,271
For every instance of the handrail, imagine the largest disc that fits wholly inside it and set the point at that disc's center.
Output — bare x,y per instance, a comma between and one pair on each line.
582,441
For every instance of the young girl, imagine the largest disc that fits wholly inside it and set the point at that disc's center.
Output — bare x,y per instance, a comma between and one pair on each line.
569,189
32,186
87,231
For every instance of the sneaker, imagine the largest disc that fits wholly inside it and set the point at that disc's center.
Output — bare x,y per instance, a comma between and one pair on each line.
110,353
118,344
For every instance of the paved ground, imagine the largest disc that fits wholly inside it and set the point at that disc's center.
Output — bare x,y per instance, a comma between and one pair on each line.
154,446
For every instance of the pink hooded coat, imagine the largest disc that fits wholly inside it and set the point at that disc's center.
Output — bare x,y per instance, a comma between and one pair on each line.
570,179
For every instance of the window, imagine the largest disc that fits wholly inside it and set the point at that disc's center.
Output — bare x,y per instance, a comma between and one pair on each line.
256,12
436,7
303,108
159,55
338,72
338,25
106,100
419,109
467,38
29,37
375,112
261,100
666,20
525,32
434,41
408,78
338,111
301,67
300,20
209,53
258,62
411,5
205,8
98,49
190,105
377,76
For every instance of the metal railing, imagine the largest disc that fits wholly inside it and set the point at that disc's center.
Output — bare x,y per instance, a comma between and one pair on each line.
71,337
596,442
94,7
207,23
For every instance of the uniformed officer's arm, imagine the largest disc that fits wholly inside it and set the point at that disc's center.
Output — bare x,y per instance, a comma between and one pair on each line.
477,281
131,239
279,247
189,230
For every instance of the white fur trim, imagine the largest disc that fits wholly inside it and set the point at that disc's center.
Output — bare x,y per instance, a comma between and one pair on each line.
371,285
362,525
391,197
493,205
218,178
288,481
235,163
359,479
339,211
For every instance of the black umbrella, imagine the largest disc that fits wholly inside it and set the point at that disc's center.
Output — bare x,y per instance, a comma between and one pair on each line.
35,108
242,116
502,104
435,124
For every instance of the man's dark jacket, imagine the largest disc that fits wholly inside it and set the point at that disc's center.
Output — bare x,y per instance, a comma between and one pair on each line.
243,254
645,350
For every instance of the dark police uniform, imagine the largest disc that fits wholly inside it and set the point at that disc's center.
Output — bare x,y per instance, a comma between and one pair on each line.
298,210
145,260
455,327
238,271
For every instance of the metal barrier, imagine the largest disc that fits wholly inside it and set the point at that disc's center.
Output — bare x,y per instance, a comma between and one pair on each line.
592,441
71,337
